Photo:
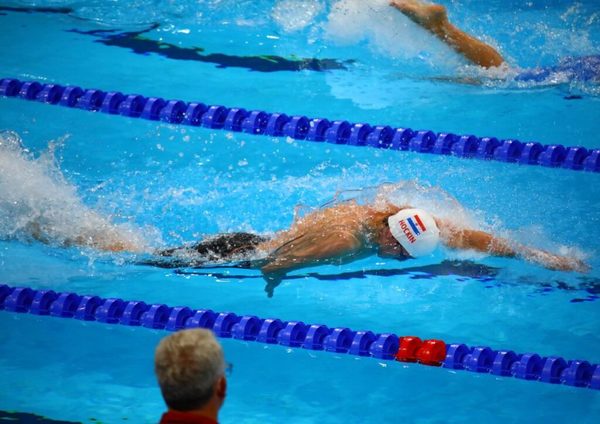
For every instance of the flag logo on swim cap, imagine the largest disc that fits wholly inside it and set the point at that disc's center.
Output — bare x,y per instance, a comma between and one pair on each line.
415,230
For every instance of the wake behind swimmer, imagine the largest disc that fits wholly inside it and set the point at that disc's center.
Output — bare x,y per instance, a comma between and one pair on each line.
38,203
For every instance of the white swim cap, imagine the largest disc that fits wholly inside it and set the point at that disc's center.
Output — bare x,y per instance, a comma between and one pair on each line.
415,230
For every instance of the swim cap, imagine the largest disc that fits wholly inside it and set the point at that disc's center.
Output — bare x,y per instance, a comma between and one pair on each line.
415,230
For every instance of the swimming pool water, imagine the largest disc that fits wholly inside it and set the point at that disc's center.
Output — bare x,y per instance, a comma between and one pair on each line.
180,183
109,380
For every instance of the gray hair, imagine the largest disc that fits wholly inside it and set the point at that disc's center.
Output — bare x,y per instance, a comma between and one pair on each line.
188,364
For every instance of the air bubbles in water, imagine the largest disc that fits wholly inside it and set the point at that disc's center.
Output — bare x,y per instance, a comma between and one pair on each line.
10,141
294,15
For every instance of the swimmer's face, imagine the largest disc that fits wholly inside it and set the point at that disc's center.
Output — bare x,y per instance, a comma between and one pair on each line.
389,246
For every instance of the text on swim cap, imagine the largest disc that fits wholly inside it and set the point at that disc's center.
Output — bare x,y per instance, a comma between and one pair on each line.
409,235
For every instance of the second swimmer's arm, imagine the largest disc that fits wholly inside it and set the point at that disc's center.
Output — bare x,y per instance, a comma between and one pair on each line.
476,51
434,18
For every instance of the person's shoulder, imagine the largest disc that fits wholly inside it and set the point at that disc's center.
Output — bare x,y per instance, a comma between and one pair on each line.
177,417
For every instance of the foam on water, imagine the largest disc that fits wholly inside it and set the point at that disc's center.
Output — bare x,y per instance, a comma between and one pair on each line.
37,202
414,194
385,30
294,15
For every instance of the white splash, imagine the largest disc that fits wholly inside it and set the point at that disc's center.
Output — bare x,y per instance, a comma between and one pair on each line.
38,203
414,194
295,15
386,30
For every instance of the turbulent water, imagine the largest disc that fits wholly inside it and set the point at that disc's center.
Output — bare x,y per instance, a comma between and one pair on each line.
37,202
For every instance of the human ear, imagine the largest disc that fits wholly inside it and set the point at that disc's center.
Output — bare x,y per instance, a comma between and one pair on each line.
222,387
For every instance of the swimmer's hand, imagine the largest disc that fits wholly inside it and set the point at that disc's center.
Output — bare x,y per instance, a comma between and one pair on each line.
556,262
457,237
273,279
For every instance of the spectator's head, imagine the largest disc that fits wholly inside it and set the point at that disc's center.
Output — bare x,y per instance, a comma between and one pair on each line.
190,368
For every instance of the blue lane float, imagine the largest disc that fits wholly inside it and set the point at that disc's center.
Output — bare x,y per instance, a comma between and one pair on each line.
297,334
304,128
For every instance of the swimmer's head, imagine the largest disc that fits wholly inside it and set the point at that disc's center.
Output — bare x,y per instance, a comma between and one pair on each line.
387,245
415,230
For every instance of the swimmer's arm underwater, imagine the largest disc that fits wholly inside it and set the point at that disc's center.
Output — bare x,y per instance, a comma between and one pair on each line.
457,237
310,249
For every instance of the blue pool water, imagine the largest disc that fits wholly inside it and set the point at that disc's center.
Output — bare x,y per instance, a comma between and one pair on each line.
173,184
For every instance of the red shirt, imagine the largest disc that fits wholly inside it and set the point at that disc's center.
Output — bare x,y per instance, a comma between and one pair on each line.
177,417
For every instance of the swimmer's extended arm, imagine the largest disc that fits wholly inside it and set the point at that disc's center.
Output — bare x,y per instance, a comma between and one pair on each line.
457,237
434,18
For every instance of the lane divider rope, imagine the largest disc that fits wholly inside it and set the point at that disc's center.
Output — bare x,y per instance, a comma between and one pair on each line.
384,346
303,128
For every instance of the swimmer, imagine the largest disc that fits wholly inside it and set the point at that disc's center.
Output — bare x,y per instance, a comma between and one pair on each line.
434,18
350,231
47,209
339,234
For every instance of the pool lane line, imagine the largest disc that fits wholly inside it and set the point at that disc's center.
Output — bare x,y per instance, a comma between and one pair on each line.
341,340
341,132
